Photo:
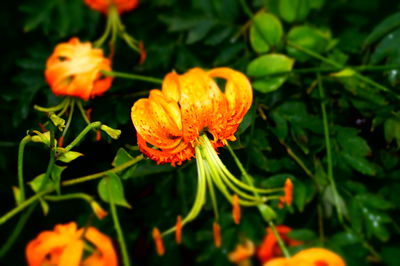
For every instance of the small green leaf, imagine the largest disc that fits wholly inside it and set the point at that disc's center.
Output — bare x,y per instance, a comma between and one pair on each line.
262,67
266,31
122,157
359,163
56,176
307,37
112,186
45,206
36,183
302,235
389,24
69,156
267,212
294,10
17,195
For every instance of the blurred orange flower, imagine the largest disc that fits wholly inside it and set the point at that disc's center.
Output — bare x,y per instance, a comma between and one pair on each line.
269,248
242,252
172,119
64,246
310,257
74,69
103,5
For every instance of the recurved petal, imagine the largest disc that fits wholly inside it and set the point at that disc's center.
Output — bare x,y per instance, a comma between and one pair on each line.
170,86
202,104
316,256
71,256
183,151
237,91
155,120
104,245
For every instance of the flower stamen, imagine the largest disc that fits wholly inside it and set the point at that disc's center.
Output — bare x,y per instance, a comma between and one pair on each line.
158,241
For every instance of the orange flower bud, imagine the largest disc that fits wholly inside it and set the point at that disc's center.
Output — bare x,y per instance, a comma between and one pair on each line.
104,5
74,69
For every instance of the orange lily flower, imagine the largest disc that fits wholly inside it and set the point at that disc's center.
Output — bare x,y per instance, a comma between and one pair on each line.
74,69
242,252
192,117
310,257
103,5
269,248
172,119
64,246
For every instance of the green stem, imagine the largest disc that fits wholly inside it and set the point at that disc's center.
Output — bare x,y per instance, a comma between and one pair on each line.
246,8
106,33
52,158
131,76
81,135
21,184
103,173
297,159
335,64
70,115
328,147
58,107
71,196
117,226
248,179
279,239
83,113
24,204
335,69
17,231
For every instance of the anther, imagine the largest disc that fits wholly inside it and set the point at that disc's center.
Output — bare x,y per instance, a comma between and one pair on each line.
217,234
158,241
178,231
236,212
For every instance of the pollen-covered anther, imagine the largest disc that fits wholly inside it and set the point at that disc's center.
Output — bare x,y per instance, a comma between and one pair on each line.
158,241
217,234
178,232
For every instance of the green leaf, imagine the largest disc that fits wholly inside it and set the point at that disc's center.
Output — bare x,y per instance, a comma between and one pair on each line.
302,235
389,24
56,176
69,156
350,142
122,157
112,186
294,10
266,65
359,163
266,31
36,183
307,37
392,130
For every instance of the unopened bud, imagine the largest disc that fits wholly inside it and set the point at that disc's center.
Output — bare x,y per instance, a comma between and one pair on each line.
113,133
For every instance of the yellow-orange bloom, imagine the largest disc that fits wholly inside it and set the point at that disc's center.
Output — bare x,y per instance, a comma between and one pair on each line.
64,246
74,69
310,257
104,5
242,252
269,248
188,105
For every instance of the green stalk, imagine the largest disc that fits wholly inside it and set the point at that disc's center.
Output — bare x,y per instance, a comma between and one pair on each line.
21,184
117,226
335,64
80,107
83,133
17,231
248,179
328,148
116,169
24,204
131,76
